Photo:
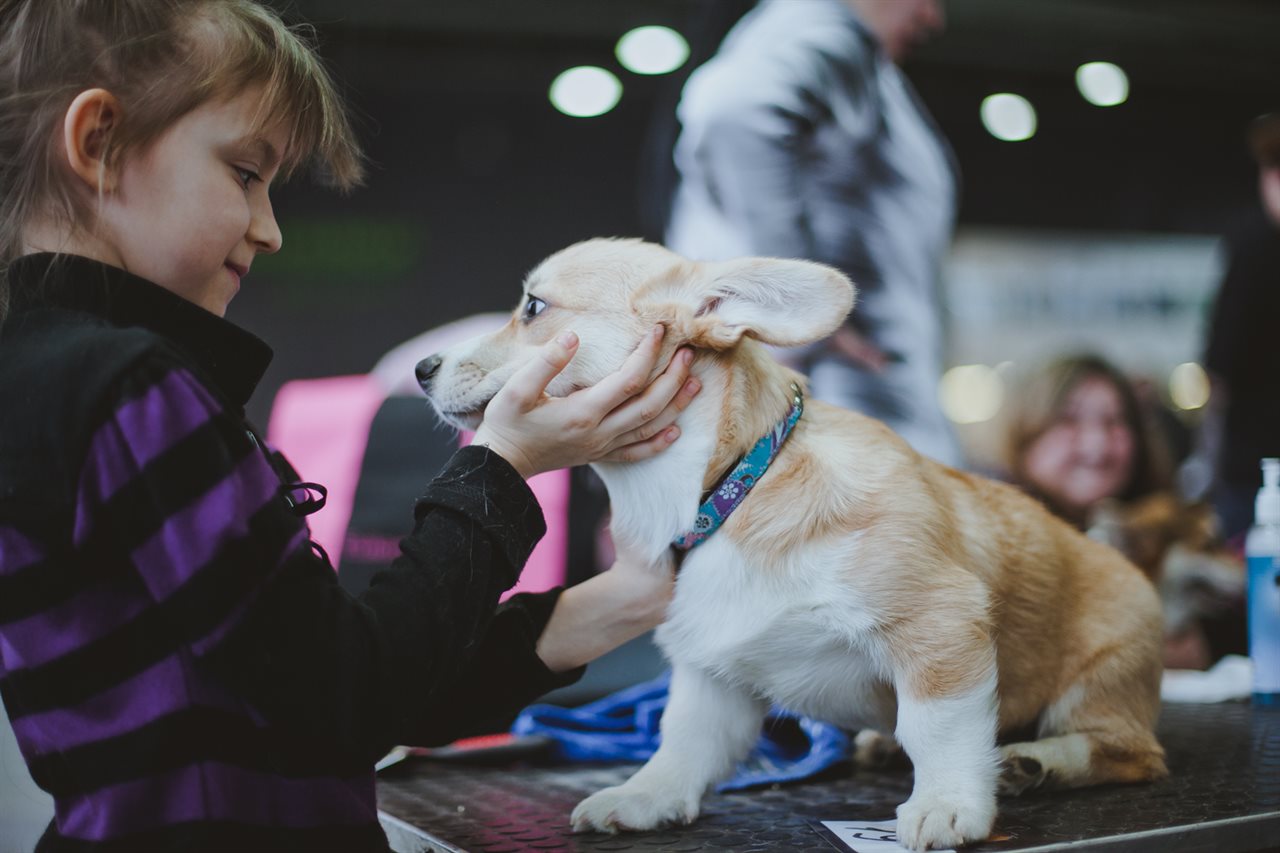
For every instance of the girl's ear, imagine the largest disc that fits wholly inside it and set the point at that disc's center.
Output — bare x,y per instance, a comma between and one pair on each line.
781,302
86,133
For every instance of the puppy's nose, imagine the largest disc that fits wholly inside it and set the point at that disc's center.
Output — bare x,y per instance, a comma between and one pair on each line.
426,370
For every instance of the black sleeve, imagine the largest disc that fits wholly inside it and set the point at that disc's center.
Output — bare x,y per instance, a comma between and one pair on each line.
505,675
423,656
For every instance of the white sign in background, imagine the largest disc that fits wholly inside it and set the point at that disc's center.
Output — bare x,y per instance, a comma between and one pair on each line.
1027,296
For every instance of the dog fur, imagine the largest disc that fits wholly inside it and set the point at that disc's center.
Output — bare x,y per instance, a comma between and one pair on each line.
858,583
1177,545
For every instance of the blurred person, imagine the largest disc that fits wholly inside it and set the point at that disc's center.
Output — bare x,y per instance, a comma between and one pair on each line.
801,138
1242,422
1080,438
1077,434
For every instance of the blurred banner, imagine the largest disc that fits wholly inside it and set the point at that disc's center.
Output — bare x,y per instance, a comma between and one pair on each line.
1025,296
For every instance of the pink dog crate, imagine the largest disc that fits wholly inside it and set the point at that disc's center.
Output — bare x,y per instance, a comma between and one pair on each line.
322,426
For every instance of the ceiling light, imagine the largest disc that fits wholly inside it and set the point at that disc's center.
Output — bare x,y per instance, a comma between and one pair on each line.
1008,117
585,91
1102,83
652,50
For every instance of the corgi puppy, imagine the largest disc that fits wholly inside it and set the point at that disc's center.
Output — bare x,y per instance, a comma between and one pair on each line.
852,580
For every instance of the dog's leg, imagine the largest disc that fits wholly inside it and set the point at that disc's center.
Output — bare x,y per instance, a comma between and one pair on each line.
945,675
951,742
707,728
1119,754
1100,730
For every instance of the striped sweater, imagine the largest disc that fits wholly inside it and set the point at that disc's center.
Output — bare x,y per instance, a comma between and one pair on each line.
181,669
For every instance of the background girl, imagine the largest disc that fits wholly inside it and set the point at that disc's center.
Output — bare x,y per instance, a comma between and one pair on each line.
1077,434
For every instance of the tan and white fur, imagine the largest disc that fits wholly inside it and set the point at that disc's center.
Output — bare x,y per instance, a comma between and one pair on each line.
859,582
1178,547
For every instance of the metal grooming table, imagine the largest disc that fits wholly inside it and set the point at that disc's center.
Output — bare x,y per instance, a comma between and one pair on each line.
1223,795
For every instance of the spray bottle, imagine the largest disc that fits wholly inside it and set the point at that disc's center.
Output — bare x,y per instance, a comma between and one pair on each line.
1262,552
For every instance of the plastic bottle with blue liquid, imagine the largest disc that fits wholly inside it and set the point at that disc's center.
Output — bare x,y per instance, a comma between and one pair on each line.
1262,552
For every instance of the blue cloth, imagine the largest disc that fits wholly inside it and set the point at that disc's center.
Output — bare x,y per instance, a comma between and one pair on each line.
624,727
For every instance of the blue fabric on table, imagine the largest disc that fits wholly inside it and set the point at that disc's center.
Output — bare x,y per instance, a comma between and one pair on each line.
624,727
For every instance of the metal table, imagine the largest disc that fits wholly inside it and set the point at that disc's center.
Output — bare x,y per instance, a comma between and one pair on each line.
1223,794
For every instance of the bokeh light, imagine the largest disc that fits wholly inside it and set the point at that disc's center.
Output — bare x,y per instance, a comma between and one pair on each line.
971,393
1008,117
585,91
1189,386
652,50
1102,84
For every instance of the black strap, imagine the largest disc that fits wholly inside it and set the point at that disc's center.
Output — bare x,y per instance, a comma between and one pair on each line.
305,498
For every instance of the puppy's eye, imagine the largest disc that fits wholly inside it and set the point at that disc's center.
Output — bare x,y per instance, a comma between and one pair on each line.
533,308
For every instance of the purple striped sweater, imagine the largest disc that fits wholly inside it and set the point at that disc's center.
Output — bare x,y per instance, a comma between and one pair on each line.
180,666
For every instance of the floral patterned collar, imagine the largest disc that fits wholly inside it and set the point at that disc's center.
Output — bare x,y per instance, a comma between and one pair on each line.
733,489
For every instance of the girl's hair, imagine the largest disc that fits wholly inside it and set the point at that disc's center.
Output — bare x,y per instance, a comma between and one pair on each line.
160,59
1039,402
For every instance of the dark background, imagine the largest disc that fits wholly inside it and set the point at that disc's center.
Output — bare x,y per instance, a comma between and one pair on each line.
475,177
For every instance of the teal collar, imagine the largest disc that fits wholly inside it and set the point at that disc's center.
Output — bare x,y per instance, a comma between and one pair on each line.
733,489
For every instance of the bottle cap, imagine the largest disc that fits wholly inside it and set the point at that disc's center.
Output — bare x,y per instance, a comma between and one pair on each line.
1266,508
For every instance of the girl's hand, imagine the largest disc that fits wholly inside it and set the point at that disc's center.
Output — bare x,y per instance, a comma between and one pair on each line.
616,420
607,610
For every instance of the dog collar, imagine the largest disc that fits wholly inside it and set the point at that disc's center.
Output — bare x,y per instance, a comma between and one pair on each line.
733,488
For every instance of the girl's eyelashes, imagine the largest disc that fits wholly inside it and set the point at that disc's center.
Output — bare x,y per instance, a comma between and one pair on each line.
246,176
533,308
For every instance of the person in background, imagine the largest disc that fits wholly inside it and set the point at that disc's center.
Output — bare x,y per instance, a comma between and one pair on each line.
801,138
1076,435
181,669
1079,438
1242,423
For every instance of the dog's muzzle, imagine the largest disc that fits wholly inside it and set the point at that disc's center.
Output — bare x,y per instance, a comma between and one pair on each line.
426,371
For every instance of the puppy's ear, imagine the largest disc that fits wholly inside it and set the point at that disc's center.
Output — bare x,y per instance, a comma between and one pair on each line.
780,302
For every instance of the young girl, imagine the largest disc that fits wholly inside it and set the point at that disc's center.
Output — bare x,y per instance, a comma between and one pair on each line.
1077,435
179,665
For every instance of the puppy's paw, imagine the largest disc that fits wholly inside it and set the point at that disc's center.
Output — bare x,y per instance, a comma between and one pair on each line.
938,820
1019,773
626,807
873,750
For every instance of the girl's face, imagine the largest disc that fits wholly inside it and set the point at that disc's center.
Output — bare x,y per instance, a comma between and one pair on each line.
1086,455
191,212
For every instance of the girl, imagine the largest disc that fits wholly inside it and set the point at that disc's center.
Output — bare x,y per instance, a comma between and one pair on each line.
1080,436
180,667
1077,435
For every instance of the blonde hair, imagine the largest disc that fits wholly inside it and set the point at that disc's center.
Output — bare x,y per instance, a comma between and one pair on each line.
160,59
1039,403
